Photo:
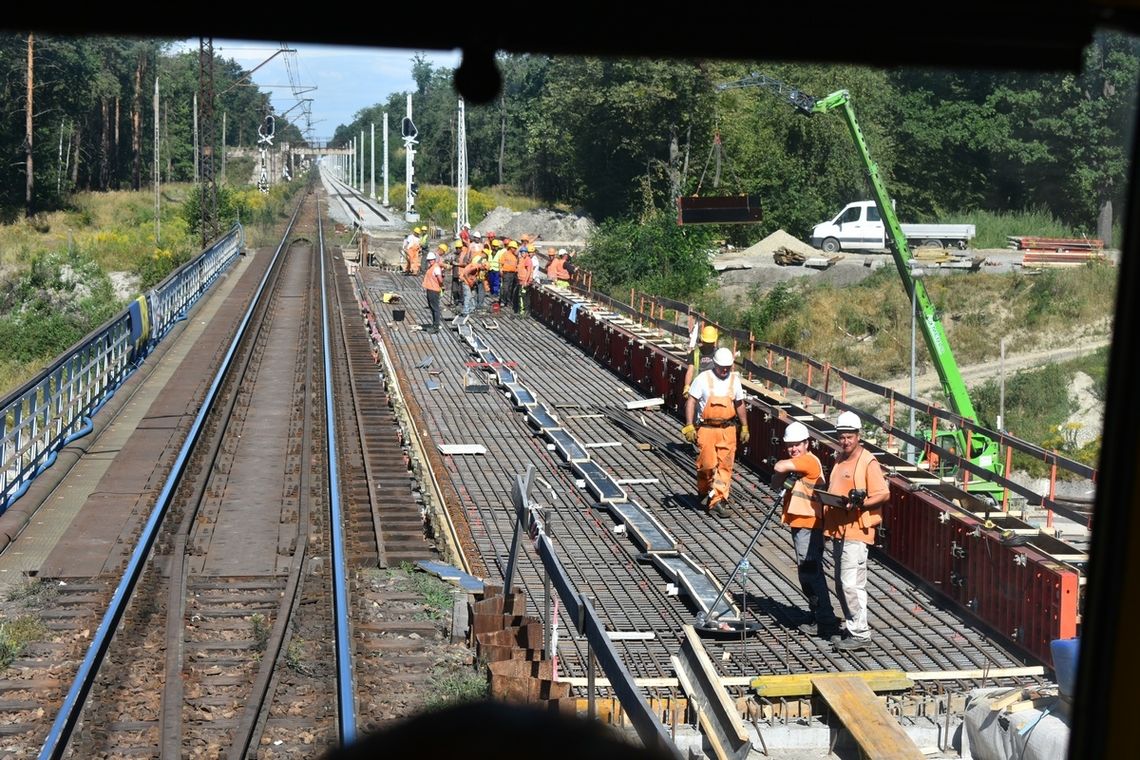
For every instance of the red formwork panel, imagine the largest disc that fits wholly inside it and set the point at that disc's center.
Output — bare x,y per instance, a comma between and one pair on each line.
582,327
918,535
640,360
600,340
662,382
1016,590
618,359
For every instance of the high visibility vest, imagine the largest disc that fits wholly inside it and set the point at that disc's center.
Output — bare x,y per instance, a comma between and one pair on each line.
433,278
509,262
801,501
493,259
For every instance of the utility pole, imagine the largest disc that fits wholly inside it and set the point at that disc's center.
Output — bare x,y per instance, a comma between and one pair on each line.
223,147
197,175
385,159
157,176
207,185
408,130
372,167
461,173
28,164
362,160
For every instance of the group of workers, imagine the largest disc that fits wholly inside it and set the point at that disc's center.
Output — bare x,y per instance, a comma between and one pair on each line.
716,421
483,268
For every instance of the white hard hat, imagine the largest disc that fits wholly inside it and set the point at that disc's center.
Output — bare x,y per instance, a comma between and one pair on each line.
431,256
723,357
563,252
795,432
848,421
477,234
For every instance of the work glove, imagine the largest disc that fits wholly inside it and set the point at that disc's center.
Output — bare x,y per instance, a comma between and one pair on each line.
855,498
689,433
685,390
744,434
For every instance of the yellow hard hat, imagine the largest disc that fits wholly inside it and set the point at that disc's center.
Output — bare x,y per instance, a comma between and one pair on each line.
496,243
709,334
458,244
443,247
513,244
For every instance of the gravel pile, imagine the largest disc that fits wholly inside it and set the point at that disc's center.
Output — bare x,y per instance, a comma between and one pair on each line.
552,226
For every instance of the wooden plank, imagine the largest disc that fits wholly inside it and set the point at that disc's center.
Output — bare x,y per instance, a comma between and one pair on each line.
1031,704
876,732
975,673
801,684
1006,699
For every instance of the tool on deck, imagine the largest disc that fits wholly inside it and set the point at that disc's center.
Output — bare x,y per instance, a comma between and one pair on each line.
709,623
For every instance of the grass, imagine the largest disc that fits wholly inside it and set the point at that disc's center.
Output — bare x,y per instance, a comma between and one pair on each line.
452,688
34,592
15,635
994,228
437,595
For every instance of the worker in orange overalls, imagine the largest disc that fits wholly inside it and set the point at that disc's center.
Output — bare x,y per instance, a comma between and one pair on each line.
713,410
414,256
433,286
526,274
803,513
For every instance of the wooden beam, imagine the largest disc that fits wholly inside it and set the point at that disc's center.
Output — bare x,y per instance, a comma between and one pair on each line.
866,718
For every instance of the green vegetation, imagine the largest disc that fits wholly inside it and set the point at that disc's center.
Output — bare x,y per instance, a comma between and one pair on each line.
15,635
1037,407
56,286
456,687
437,595
996,227
34,592
260,626
652,254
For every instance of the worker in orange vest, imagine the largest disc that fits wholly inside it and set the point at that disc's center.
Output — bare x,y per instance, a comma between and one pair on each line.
702,355
526,274
509,271
556,270
803,513
433,286
714,408
857,477
473,284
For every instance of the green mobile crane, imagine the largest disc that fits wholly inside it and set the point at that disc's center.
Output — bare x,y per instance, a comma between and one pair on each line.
981,450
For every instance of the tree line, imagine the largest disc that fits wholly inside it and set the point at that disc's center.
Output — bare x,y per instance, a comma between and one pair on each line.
91,122
620,138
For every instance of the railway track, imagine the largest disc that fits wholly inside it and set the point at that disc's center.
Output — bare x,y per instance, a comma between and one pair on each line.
221,645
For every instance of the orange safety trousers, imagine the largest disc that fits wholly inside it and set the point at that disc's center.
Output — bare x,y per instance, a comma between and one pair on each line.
716,449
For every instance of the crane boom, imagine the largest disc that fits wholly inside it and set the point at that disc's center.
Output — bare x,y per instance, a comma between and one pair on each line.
932,331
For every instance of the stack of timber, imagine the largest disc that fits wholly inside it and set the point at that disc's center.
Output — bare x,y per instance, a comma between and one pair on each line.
1058,252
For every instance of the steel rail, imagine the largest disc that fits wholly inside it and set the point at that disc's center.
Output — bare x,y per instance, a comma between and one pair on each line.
346,705
67,717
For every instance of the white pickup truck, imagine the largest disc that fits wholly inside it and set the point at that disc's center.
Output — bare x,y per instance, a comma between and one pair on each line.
858,227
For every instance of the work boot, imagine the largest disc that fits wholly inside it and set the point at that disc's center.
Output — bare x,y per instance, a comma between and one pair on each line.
721,511
825,631
852,643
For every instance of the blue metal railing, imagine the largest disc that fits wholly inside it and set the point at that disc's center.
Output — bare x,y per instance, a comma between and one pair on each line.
55,407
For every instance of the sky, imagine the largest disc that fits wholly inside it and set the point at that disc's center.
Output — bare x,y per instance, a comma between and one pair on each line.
347,78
